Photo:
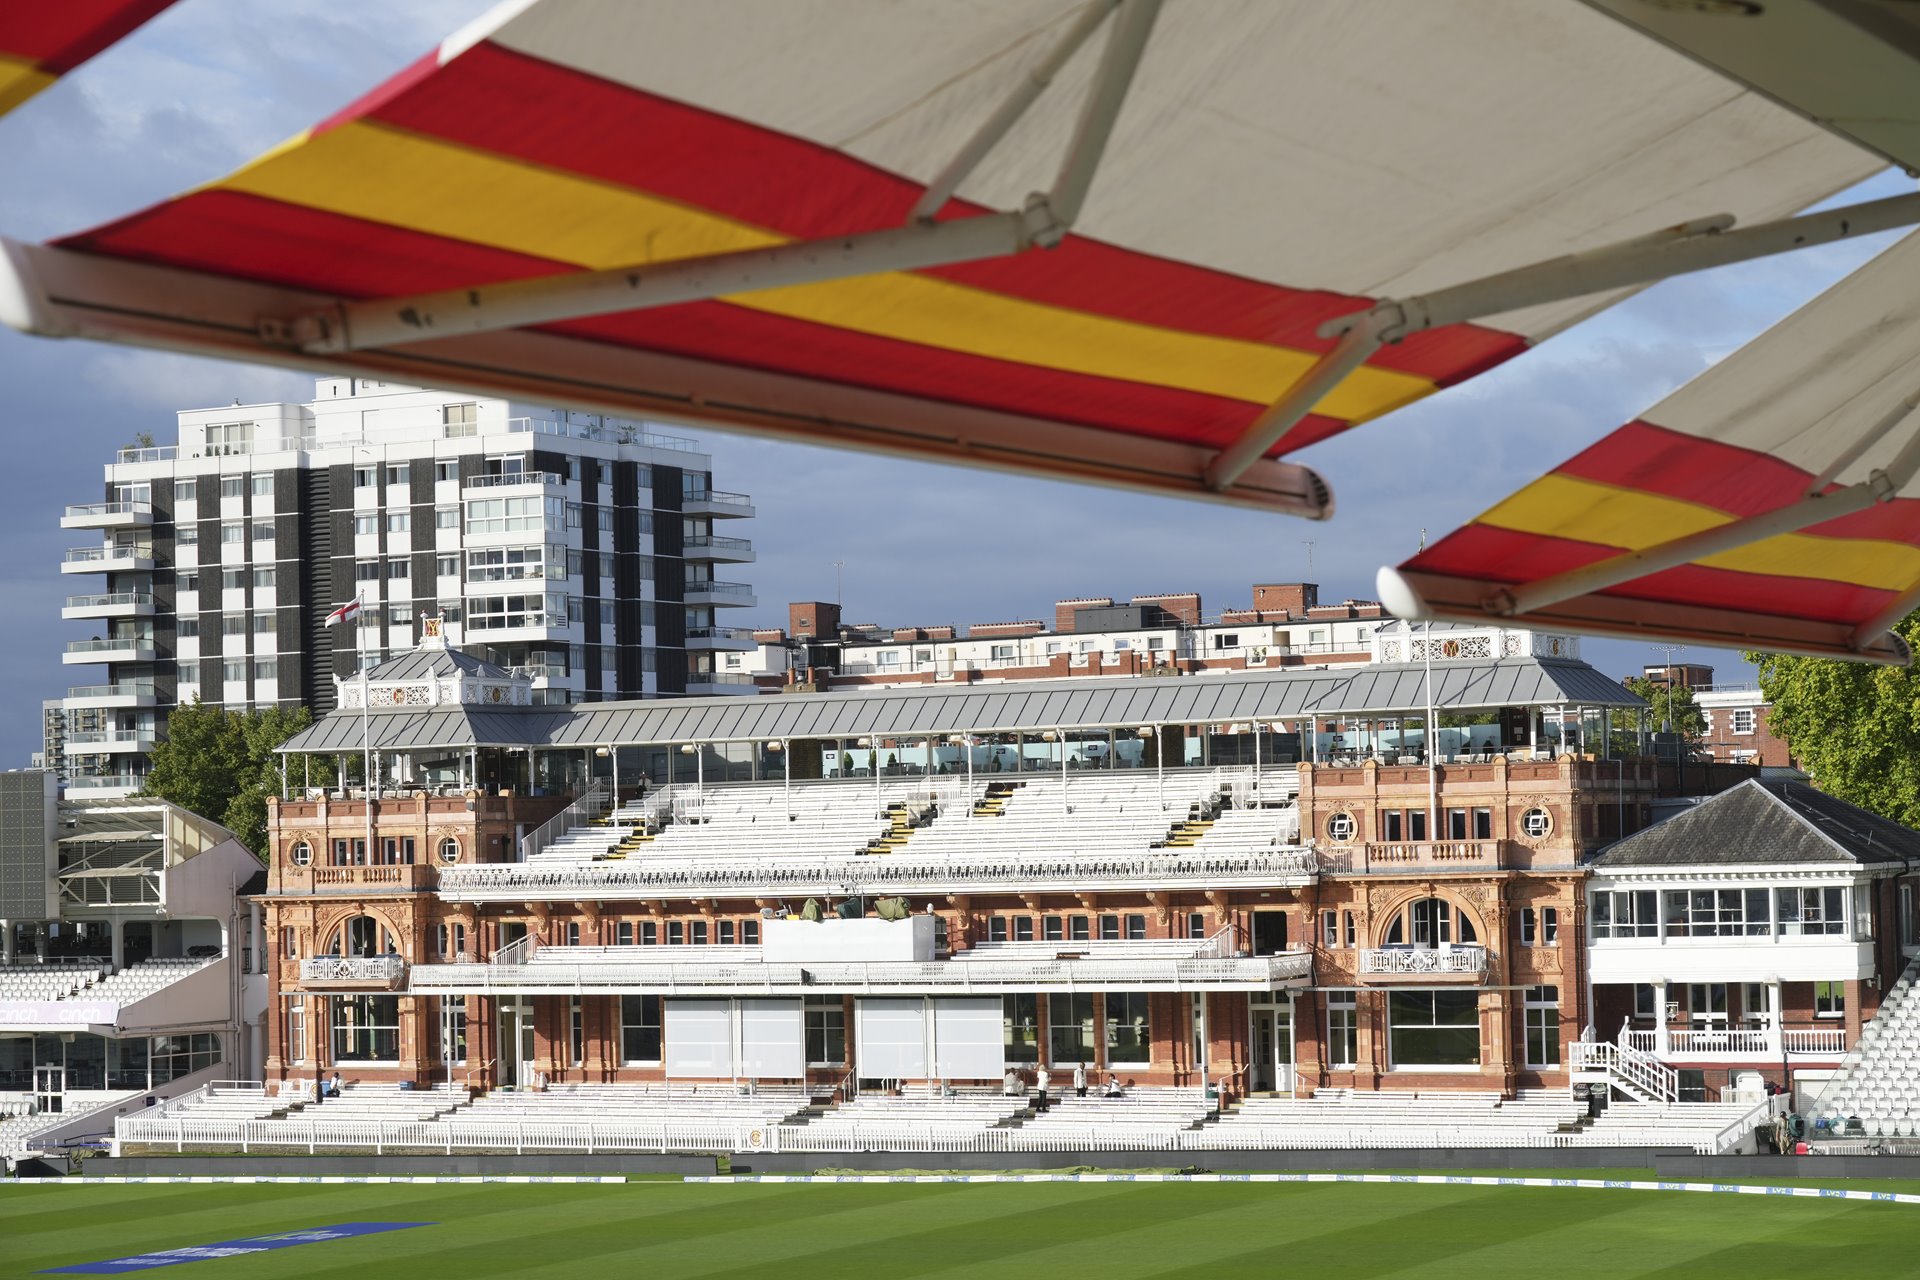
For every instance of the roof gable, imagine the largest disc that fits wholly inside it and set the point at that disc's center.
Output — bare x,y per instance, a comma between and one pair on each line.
1765,823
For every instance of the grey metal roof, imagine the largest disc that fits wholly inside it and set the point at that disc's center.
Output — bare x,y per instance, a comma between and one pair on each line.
1762,822
425,664
1017,705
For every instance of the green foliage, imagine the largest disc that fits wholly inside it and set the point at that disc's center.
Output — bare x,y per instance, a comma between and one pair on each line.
221,764
1667,706
1854,726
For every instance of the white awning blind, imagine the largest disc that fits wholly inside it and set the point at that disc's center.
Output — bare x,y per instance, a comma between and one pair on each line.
699,1035
967,1037
772,1039
892,1042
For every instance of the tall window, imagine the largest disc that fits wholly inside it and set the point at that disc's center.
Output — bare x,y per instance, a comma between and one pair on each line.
1717,913
1129,1033
826,1031
1543,1026
1539,926
576,1032
1020,1026
1343,1028
366,1028
296,1031
1069,1027
1829,999
1430,922
640,1028
1434,1028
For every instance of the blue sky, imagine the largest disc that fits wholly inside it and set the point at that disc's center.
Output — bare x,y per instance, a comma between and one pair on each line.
212,82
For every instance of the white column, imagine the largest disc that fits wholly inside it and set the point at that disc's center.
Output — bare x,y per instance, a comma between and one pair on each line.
116,929
1776,1036
1660,1044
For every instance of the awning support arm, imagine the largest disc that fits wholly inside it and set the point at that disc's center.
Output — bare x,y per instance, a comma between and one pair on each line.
1024,95
1887,619
1355,348
1880,486
448,313
1691,246
1126,42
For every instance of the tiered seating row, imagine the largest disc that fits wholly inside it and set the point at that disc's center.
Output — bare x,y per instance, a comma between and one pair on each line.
46,982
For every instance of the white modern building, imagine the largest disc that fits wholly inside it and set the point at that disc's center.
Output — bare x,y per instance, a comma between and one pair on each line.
578,548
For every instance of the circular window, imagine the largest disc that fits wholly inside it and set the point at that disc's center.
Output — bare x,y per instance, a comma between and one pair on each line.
1536,823
449,850
301,853
1341,827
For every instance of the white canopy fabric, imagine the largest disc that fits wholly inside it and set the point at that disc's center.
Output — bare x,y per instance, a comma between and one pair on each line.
751,171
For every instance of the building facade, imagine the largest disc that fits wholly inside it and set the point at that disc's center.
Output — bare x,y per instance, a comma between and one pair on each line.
581,549
1404,914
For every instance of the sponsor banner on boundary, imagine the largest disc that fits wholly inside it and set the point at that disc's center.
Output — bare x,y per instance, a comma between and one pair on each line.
230,1248
334,1179
1417,1179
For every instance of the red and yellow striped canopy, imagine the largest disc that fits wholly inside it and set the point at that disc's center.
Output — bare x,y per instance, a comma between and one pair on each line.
1753,434
1275,164
42,40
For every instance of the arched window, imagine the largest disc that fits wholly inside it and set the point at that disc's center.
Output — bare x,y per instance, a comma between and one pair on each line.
365,936
1430,922
301,853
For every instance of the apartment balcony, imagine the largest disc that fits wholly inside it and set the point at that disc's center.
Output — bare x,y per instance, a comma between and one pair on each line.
718,504
718,550
726,595
710,876
128,693
1411,856
353,973
106,560
109,741
1462,963
730,639
119,649
104,786
108,515
118,604
152,453
514,480
719,684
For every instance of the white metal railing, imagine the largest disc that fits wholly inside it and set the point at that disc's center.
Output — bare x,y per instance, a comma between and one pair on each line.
984,976
109,599
103,781
1640,1074
151,453
104,646
87,509
125,689
1734,1134
1718,1041
590,805
352,969
718,496
1459,958
716,588
90,737
513,953
509,479
715,542
609,432
899,872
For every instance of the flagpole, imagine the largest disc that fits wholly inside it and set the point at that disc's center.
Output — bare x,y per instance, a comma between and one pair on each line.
366,726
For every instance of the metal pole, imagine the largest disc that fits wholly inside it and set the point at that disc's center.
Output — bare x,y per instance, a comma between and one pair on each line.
1061,734
1433,767
366,728
786,776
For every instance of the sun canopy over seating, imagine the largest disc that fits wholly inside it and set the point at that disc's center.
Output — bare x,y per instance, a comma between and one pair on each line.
1152,245
1773,502
41,42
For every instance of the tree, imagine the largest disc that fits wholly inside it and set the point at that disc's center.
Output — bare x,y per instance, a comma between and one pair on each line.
221,764
1853,726
1670,708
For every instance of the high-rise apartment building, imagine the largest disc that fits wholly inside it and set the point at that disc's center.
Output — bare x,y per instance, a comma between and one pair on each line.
577,548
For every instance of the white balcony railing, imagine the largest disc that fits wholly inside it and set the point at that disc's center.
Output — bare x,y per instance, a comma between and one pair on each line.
1464,959
512,479
1721,1042
387,969
896,873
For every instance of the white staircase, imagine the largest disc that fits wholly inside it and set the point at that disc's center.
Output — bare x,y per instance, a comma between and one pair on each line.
1616,1063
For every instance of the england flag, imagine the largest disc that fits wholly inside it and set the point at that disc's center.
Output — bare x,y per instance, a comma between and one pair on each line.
349,610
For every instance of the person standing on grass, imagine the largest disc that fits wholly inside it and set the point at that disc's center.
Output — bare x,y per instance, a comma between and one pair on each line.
1080,1080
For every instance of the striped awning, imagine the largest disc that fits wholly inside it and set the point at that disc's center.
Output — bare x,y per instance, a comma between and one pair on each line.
1695,520
1274,165
42,40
